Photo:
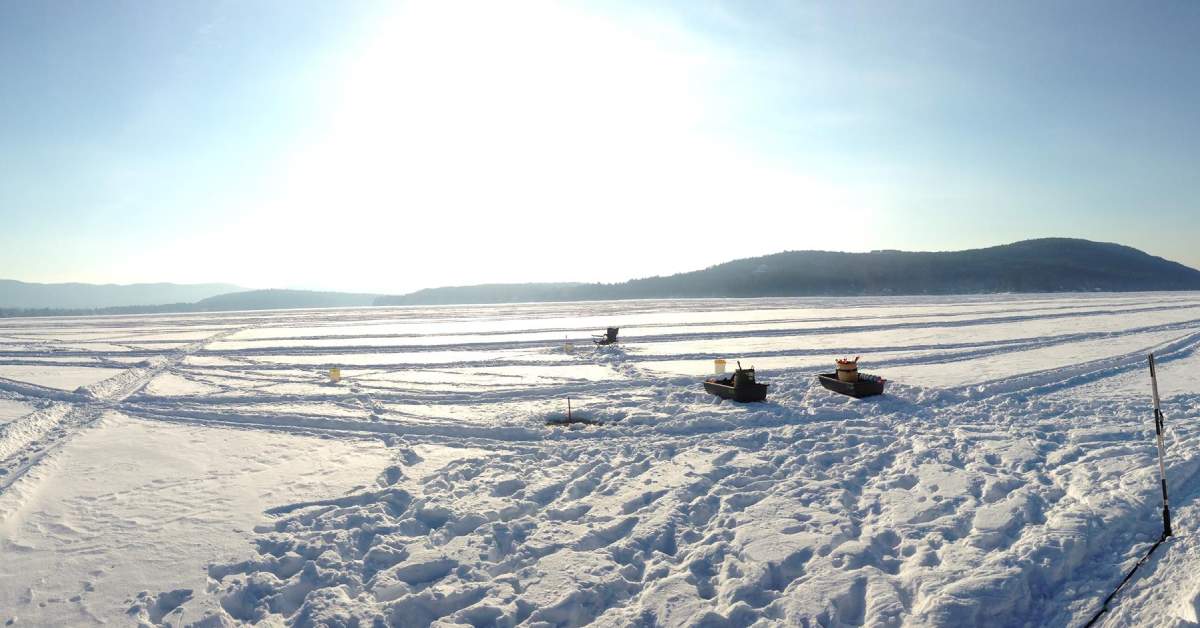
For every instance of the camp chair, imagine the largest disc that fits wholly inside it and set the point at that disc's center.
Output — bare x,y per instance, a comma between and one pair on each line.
609,337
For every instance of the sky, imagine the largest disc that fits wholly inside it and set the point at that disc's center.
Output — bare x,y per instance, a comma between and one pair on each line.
392,146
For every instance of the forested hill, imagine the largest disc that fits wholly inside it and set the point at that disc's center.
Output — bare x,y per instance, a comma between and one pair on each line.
283,299
1043,265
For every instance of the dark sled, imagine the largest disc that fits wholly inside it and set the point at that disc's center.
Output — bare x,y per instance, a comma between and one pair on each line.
866,386
741,387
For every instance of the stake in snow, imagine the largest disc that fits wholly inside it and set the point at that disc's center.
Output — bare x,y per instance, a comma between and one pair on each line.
1166,510
1158,433
175,468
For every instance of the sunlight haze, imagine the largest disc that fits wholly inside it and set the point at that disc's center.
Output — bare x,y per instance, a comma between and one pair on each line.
395,146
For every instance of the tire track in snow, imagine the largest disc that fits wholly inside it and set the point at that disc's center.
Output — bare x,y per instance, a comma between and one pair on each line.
26,441
350,349
1049,380
211,408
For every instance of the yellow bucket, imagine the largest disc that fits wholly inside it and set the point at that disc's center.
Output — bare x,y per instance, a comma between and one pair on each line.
719,367
335,375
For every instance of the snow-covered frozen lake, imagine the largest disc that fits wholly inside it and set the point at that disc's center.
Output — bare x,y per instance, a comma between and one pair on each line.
168,468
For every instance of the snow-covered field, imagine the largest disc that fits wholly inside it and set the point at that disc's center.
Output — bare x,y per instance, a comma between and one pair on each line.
201,468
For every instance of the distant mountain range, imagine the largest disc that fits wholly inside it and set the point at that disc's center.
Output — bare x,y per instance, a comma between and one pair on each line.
228,302
500,293
1044,265
19,294
284,299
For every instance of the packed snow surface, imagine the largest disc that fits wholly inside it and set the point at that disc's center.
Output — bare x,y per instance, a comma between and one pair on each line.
134,505
180,469
11,409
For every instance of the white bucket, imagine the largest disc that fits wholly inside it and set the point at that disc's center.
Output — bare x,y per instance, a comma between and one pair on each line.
847,370
568,348
719,367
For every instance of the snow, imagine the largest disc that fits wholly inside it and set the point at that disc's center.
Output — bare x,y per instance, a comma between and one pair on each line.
1007,478
11,409
61,377
134,505
171,384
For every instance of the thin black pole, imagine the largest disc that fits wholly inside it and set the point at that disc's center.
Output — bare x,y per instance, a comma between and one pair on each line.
1107,600
1162,469
1162,478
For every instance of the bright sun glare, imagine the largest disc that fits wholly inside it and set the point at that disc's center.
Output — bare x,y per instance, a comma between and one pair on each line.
497,144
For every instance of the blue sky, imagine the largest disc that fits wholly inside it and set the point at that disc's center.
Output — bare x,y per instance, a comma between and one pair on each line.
392,146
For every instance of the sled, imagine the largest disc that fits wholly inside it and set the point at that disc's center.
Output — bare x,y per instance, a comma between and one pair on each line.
741,387
866,386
